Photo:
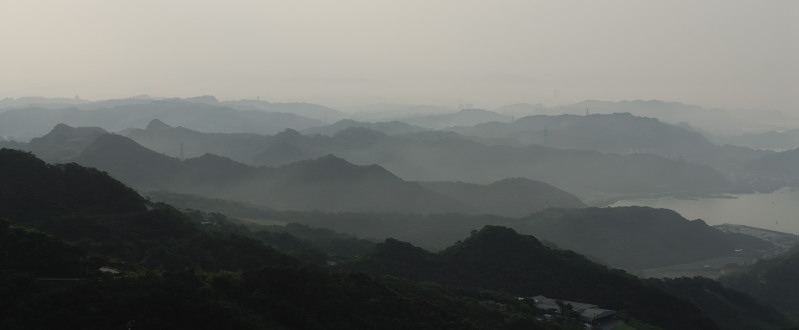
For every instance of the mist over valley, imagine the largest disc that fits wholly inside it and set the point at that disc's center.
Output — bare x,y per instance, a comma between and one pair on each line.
328,193
399,165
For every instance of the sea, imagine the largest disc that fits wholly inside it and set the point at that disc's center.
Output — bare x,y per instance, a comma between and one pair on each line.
778,210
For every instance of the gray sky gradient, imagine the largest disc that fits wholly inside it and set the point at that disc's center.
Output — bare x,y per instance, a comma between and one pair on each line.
731,54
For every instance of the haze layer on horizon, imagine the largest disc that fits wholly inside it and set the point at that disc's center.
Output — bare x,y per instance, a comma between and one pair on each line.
729,54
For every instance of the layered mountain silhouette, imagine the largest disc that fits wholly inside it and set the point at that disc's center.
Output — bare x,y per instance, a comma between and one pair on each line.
11,144
465,117
772,140
388,128
498,258
34,189
715,120
514,197
785,163
327,183
773,171
210,117
635,237
620,133
183,142
64,142
172,263
106,253
447,156
308,110
771,281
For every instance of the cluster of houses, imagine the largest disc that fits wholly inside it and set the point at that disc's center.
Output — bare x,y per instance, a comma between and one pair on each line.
591,315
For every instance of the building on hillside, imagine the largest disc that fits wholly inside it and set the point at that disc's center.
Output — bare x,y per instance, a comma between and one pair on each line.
593,316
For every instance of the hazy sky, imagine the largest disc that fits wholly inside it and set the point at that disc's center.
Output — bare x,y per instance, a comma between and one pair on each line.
726,53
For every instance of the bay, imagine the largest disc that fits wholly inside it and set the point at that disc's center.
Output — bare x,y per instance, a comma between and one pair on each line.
778,210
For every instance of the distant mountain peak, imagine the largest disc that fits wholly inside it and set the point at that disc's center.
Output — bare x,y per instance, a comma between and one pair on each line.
491,241
496,234
214,157
218,162
157,124
61,127
360,133
332,158
203,99
288,134
115,140
332,164
346,121
63,130
475,111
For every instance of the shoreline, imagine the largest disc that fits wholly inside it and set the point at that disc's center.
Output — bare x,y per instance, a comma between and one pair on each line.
609,200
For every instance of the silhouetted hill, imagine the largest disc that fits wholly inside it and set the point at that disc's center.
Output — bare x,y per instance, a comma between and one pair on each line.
308,110
771,281
184,273
620,133
333,184
327,183
521,109
773,171
359,137
11,144
101,215
9,102
129,162
168,272
438,156
465,117
515,197
214,176
390,112
31,122
23,124
388,128
634,237
498,258
230,208
32,188
181,141
728,308
36,252
447,156
715,120
205,117
156,124
64,142
771,140
785,163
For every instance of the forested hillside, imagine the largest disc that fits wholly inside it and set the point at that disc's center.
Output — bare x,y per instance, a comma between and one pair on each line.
108,258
